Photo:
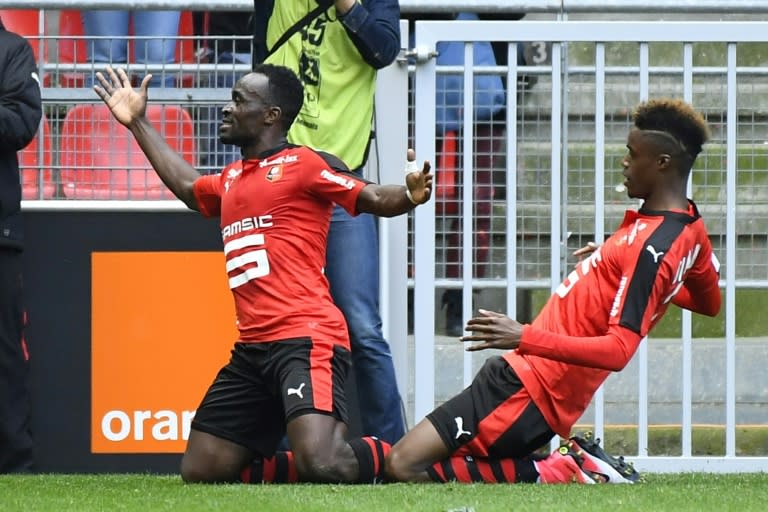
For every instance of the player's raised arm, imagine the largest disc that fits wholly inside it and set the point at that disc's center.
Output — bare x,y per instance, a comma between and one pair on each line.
129,107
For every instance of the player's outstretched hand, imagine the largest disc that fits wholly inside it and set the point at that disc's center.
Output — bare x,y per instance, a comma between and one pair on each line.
493,330
125,103
419,183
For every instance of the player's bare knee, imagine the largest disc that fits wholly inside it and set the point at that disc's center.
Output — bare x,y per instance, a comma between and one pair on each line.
396,466
325,465
196,472
192,473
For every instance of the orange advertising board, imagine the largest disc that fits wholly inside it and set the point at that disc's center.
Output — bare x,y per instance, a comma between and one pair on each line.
162,324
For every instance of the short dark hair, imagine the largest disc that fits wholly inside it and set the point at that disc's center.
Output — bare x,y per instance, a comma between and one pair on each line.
285,90
676,118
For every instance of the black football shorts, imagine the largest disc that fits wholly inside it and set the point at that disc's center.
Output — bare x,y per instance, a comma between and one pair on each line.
265,385
493,417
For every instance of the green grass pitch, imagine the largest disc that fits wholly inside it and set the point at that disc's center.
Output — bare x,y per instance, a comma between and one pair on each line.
149,493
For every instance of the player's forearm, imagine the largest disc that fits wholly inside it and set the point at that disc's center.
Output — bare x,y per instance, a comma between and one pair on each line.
702,298
177,174
384,200
611,351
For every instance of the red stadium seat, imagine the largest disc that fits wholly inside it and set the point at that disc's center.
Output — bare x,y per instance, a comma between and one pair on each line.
446,174
100,159
32,162
25,22
72,48
185,48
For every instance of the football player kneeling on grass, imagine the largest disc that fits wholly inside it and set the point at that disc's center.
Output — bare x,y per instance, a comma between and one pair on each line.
591,326
288,366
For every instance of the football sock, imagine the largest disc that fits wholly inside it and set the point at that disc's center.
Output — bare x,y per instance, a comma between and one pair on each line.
370,453
277,469
469,469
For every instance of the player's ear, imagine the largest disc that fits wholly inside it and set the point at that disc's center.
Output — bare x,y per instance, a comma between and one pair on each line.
273,115
664,160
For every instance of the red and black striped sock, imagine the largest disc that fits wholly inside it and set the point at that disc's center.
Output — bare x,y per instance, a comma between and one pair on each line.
370,453
278,469
469,469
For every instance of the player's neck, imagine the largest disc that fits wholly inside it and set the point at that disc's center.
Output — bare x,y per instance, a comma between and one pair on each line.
666,202
265,145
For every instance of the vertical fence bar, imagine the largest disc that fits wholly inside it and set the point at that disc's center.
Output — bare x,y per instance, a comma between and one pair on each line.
564,149
730,251
555,241
555,154
468,189
511,181
424,234
599,399
642,370
687,349
391,114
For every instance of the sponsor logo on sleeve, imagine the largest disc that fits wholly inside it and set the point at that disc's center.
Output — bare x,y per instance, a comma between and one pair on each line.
347,183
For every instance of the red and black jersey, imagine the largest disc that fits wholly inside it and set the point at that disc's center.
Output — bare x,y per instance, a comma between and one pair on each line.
275,212
596,318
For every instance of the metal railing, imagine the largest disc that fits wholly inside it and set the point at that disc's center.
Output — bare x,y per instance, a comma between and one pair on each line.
586,105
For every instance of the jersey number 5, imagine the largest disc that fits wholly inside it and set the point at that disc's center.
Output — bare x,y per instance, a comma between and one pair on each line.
257,256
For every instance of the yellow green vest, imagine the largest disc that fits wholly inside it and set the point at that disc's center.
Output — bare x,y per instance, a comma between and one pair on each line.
338,84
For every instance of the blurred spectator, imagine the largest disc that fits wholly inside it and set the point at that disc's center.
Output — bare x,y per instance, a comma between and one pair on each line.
336,56
155,43
223,51
20,113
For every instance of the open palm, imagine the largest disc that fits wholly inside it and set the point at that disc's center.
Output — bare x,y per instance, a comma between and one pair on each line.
125,103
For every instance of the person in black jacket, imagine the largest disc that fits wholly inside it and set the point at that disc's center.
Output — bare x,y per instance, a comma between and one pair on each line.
20,113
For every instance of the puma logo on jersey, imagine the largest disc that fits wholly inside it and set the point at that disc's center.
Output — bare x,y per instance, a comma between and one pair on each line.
296,391
460,427
232,175
653,252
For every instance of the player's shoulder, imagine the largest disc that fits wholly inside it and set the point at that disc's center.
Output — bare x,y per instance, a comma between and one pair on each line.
327,159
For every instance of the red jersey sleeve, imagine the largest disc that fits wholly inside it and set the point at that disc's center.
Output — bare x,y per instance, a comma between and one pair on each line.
331,179
207,191
611,351
701,290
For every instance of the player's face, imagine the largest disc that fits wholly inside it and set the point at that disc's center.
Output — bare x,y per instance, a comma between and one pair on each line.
641,165
243,118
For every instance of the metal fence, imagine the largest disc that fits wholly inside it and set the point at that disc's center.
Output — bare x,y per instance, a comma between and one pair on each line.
559,193
550,159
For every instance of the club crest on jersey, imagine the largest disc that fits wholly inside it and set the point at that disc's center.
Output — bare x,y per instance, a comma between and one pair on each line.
274,173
